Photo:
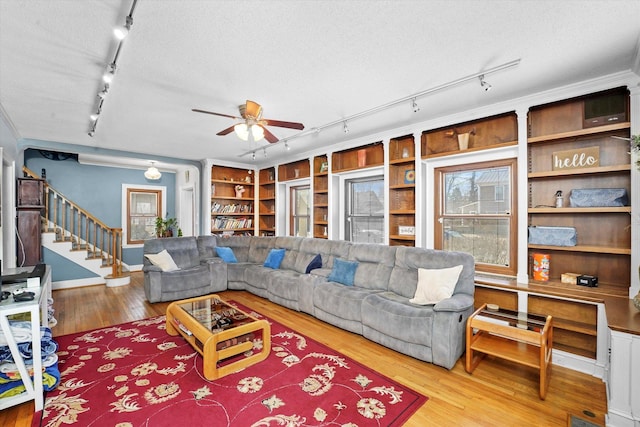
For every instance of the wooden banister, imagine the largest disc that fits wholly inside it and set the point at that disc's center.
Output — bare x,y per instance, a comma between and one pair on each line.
79,226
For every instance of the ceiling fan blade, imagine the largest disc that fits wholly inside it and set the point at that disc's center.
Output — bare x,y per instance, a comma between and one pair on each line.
282,124
215,114
227,131
269,136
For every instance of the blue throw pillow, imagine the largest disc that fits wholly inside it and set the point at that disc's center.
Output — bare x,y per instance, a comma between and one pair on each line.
274,259
226,254
343,271
316,262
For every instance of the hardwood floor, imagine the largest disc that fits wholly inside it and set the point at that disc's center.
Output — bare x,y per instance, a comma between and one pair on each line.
498,393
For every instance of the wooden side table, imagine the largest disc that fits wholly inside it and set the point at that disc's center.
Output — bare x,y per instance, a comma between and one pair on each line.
198,321
519,337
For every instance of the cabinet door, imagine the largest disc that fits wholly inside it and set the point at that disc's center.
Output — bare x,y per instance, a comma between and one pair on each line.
30,192
29,231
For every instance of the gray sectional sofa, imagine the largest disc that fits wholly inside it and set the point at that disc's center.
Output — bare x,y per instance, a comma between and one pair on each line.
376,306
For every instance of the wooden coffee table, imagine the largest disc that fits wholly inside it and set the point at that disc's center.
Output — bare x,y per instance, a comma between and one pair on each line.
519,337
219,331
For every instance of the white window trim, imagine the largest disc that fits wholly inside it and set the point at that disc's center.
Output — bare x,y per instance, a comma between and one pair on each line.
123,204
342,196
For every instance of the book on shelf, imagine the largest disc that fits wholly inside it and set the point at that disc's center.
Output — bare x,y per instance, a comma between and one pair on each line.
223,222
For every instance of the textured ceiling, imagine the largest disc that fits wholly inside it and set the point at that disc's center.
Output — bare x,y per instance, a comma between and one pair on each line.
314,62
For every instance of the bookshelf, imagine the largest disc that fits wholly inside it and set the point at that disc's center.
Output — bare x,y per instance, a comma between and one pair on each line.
232,210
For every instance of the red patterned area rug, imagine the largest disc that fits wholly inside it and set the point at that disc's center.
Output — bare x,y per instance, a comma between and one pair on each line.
135,374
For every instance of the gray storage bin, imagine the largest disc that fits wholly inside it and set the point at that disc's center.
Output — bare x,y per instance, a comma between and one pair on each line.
553,236
598,197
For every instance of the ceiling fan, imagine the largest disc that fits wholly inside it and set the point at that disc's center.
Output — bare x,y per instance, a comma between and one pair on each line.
252,122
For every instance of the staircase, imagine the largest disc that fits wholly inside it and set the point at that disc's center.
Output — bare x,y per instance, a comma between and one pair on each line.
75,234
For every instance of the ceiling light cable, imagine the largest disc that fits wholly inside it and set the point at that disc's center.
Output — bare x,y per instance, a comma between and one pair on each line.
108,76
388,105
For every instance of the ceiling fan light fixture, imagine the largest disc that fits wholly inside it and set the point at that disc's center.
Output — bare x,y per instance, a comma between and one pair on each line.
257,132
152,173
242,131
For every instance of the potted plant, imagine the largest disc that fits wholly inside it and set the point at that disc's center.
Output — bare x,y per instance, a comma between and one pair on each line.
166,227
634,142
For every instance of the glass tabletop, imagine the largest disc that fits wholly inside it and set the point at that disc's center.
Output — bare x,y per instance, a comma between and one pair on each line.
215,314
519,319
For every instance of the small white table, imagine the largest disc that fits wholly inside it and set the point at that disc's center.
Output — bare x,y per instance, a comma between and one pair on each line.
38,312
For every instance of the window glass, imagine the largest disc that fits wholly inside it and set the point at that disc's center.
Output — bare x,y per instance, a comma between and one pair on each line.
143,208
476,213
365,215
300,212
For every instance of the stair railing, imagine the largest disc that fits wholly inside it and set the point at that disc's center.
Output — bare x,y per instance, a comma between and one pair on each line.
77,225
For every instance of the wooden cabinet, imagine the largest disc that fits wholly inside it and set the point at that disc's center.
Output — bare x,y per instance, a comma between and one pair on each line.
29,204
358,158
30,193
320,197
490,132
293,170
559,151
232,198
402,201
267,202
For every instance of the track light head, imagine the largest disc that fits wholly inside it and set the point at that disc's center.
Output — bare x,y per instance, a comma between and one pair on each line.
103,93
253,155
91,133
486,86
94,116
415,106
286,145
345,128
264,151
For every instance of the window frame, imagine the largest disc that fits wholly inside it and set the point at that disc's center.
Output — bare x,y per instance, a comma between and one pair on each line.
439,205
293,208
348,203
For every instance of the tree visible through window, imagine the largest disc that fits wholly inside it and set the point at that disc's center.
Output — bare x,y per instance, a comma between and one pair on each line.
365,210
143,207
476,213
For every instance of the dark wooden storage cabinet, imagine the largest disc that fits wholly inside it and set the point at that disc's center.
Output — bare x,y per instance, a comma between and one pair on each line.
29,204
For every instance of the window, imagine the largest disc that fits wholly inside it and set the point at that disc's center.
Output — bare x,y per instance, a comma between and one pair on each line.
476,213
143,207
365,210
299,222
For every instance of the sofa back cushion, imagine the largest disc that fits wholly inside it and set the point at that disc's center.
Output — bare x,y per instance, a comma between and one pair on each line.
239,245
183,250
337,249
259,249
206,246
291,246
404,276
375,263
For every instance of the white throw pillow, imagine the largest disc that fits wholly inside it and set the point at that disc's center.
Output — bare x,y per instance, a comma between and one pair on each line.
434,285
163,260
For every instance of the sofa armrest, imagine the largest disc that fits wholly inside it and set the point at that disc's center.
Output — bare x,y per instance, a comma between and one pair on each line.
458,302
213,260
151,268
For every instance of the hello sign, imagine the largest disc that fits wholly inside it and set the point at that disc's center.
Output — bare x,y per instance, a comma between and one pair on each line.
588,157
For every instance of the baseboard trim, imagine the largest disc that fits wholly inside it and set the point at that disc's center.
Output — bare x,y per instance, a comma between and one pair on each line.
578,363
77,283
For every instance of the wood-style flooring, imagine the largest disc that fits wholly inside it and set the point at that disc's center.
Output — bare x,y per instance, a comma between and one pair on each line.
498,393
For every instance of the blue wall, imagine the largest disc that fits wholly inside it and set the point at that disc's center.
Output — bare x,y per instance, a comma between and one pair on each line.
98,189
